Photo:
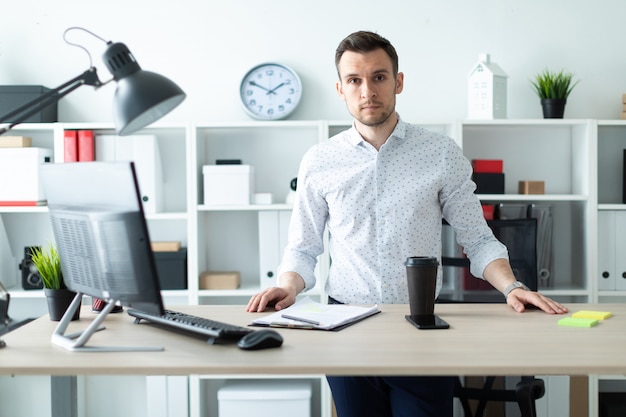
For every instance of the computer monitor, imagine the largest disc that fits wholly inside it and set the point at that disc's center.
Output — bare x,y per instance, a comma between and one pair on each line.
103,242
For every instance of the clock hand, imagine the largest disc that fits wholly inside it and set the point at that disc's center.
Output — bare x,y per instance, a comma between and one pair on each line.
260,86
273,90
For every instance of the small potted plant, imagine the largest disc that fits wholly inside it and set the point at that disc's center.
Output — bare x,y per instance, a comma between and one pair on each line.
553,88
48,265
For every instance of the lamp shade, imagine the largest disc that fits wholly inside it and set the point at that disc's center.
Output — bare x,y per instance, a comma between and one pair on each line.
141,97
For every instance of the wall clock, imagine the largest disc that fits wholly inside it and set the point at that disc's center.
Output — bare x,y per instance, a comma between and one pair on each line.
270,91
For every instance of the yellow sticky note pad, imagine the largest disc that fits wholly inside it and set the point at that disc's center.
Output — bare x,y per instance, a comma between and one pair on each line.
577,322
586,314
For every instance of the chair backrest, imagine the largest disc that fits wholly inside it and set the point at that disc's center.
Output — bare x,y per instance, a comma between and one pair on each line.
520,238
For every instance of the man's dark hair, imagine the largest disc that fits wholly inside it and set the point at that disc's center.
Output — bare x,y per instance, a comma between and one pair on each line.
364,41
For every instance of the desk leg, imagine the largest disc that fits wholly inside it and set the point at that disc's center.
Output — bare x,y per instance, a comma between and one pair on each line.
64,396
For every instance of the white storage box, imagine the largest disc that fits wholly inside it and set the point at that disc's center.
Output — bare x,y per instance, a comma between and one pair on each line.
19,168
265,398
228,184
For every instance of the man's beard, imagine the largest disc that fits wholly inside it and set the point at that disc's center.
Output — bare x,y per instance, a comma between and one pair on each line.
380,120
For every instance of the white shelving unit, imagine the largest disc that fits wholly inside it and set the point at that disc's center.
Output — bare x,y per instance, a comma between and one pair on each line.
579,160
558,153
608,246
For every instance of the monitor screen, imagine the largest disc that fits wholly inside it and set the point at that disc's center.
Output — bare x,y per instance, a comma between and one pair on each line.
101,232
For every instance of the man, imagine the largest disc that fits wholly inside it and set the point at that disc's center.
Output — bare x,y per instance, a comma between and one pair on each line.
381,189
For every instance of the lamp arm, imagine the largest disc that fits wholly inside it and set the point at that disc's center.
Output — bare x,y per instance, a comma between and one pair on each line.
89,77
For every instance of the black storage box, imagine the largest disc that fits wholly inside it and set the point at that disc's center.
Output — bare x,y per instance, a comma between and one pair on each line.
172,269
489,183
14,96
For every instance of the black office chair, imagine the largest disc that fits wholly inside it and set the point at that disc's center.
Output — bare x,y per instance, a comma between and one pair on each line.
520,238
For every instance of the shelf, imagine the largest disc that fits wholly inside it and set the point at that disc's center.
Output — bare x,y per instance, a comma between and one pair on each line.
245,292
527,122
614,207
251,207
167,216
23,209
532,197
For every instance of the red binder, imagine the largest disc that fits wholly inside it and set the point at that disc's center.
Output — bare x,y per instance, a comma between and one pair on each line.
70,146
86,146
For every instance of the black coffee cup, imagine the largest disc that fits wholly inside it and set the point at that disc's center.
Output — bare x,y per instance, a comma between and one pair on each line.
421,275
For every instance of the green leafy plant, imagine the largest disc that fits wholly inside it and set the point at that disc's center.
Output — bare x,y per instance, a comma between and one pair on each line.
553,85
48,264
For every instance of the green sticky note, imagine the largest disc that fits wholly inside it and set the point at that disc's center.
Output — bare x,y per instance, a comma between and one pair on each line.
577,322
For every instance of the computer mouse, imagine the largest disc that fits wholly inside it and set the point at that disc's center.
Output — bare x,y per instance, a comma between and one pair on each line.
260,339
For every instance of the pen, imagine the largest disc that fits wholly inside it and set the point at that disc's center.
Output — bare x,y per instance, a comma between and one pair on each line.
292,325
313,322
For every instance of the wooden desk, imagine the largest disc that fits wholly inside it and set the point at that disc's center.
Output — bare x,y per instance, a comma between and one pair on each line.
483,339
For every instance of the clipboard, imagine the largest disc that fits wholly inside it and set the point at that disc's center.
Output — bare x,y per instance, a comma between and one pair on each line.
311,315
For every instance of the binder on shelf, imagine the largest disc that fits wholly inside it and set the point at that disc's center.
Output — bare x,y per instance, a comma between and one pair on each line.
489,211
620,250
545,266
143,150
606,251
273,230
543,214
70,146
86,146
506,211
624,178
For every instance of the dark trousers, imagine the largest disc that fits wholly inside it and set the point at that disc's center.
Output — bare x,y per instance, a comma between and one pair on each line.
394,396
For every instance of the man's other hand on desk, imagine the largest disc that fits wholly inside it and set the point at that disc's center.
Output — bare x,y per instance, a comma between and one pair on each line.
290,284
519,298
499,274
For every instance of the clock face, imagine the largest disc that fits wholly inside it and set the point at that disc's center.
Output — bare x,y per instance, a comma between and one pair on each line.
270,91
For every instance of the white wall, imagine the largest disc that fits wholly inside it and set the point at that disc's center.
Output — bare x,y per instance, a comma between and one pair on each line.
206,46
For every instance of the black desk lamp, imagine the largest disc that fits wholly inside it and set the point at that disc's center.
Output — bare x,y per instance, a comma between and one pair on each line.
141,97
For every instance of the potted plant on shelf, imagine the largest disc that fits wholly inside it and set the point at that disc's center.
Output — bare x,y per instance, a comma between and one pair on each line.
553,88
48,265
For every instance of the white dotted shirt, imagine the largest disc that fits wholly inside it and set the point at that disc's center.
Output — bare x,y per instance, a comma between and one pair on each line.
381,207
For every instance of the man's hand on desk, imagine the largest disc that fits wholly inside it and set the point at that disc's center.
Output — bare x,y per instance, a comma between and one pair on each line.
290,284
277,296
499,274
519,298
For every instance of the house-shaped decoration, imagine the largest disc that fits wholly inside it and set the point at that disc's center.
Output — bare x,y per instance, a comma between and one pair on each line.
486,93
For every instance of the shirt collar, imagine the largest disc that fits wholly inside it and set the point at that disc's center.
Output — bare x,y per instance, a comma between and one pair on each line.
399,132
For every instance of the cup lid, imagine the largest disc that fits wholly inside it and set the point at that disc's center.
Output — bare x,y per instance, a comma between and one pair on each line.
421,261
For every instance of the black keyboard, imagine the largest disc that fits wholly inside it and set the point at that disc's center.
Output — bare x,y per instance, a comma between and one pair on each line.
214,331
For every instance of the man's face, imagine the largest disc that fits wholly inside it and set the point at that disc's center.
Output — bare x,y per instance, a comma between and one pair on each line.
367,85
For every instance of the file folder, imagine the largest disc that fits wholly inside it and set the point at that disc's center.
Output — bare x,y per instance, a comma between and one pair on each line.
543,214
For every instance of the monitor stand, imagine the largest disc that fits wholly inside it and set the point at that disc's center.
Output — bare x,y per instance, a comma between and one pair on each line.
76,341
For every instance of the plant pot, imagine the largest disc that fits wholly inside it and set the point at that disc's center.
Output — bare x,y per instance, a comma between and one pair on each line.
553,108
58,303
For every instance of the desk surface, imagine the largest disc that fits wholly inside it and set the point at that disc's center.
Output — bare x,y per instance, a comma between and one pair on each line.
483,339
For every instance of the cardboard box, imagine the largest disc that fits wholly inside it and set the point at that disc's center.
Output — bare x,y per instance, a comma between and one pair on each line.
15,142
14,96
172,269
20,169
220,280
166,246
532,187
266,398
228,184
